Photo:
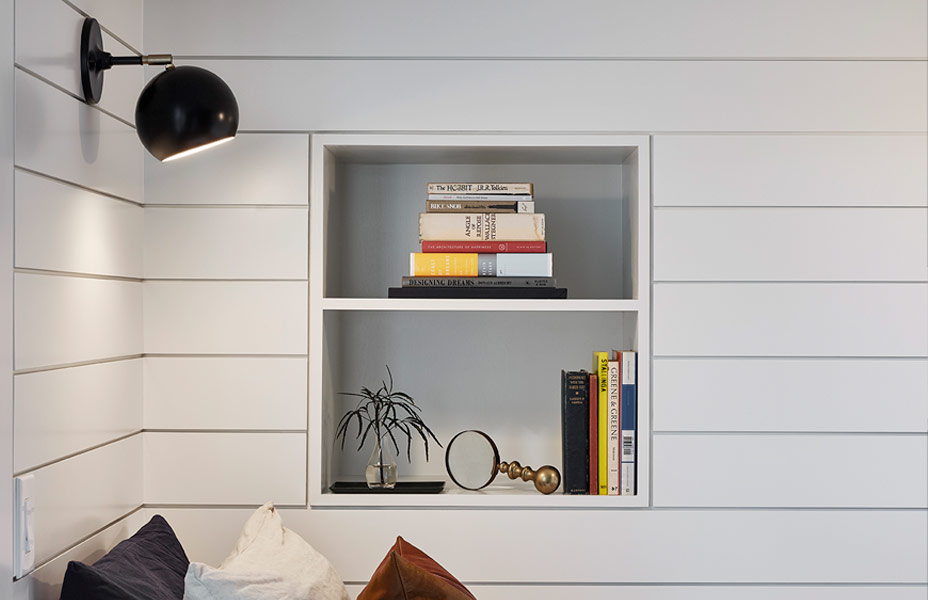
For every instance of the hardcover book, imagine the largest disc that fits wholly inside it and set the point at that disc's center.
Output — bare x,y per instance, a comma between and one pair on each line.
575,440
426,264
479,204
613,458
601,367
481,188
486,247
474,293
481,226
478,282
593,450
629,421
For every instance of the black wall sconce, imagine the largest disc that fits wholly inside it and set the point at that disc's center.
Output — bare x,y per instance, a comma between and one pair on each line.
181,111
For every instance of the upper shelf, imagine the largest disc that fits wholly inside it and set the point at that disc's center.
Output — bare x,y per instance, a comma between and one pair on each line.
371,190
404,304
430,152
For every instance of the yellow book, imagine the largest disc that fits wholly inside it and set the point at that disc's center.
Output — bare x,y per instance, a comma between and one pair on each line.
436,264
601,368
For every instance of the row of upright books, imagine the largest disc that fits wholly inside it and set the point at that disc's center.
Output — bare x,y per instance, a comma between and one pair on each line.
480,240
598,426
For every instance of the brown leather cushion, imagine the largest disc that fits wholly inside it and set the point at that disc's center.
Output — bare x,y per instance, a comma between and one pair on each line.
407,573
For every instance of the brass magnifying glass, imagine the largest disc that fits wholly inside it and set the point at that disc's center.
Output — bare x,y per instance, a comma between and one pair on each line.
472,462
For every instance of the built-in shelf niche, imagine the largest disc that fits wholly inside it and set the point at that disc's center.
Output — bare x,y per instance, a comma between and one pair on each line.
473,364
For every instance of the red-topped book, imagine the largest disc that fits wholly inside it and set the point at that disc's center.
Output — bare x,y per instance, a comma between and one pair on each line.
485,246
594,434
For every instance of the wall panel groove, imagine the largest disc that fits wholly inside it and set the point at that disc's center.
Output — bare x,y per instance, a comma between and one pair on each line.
48,140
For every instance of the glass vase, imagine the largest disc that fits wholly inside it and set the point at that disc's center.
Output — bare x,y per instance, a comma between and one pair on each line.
381,468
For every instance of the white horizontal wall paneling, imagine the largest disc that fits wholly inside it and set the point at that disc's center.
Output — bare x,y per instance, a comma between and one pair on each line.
7,118
64,320
225,393
824,395
78,496
60,227
598,28
120,17
225,317
48,35
790,170
791,319
658,546
63,411
225,468
791,244
824,471
655,96
227,243
61,136
45,582
257,168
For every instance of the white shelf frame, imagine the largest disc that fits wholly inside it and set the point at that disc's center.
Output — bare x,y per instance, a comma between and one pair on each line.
502,494
478,305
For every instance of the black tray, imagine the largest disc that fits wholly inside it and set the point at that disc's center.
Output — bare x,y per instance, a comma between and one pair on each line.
468,293
402,487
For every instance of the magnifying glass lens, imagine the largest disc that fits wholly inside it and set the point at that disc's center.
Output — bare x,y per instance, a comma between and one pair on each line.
472,460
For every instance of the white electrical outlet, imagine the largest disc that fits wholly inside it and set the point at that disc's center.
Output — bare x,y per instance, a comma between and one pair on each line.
24,555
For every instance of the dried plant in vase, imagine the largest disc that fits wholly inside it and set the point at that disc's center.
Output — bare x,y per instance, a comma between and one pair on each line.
384,413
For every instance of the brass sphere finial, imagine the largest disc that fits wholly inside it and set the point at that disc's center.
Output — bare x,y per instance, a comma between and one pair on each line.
547,479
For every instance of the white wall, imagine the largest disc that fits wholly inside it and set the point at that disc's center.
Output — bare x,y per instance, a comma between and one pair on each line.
789,192
7,103
774,155
76,285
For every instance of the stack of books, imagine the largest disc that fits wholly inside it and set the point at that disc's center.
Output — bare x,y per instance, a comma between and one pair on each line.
598,426
480,240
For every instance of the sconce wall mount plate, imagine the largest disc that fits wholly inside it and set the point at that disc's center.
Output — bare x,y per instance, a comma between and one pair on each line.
92,57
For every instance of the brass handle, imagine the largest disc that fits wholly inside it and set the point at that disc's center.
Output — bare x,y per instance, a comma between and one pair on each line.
546,478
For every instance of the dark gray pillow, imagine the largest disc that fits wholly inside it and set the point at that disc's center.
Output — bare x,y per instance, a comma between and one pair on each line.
150,565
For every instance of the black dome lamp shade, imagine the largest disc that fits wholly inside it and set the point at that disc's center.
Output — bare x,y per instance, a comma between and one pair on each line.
181,111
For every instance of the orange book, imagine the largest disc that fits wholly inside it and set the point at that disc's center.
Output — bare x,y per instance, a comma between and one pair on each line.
437,264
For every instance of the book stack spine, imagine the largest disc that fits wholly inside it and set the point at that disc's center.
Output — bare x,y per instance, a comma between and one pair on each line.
609,433
486,231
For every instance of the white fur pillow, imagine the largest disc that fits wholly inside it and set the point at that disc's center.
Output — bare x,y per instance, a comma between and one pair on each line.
269,562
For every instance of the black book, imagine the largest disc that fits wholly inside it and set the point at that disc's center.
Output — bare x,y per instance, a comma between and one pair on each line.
575,431
469,293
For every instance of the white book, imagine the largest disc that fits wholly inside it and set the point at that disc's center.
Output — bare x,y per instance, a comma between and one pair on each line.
483,197
629,421
613,428
457,227
516,265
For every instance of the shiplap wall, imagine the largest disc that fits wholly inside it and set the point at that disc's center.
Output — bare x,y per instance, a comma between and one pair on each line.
790,338
7,104
225,292
76,282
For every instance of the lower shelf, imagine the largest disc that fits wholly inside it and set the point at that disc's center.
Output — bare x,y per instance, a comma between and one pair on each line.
495,496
